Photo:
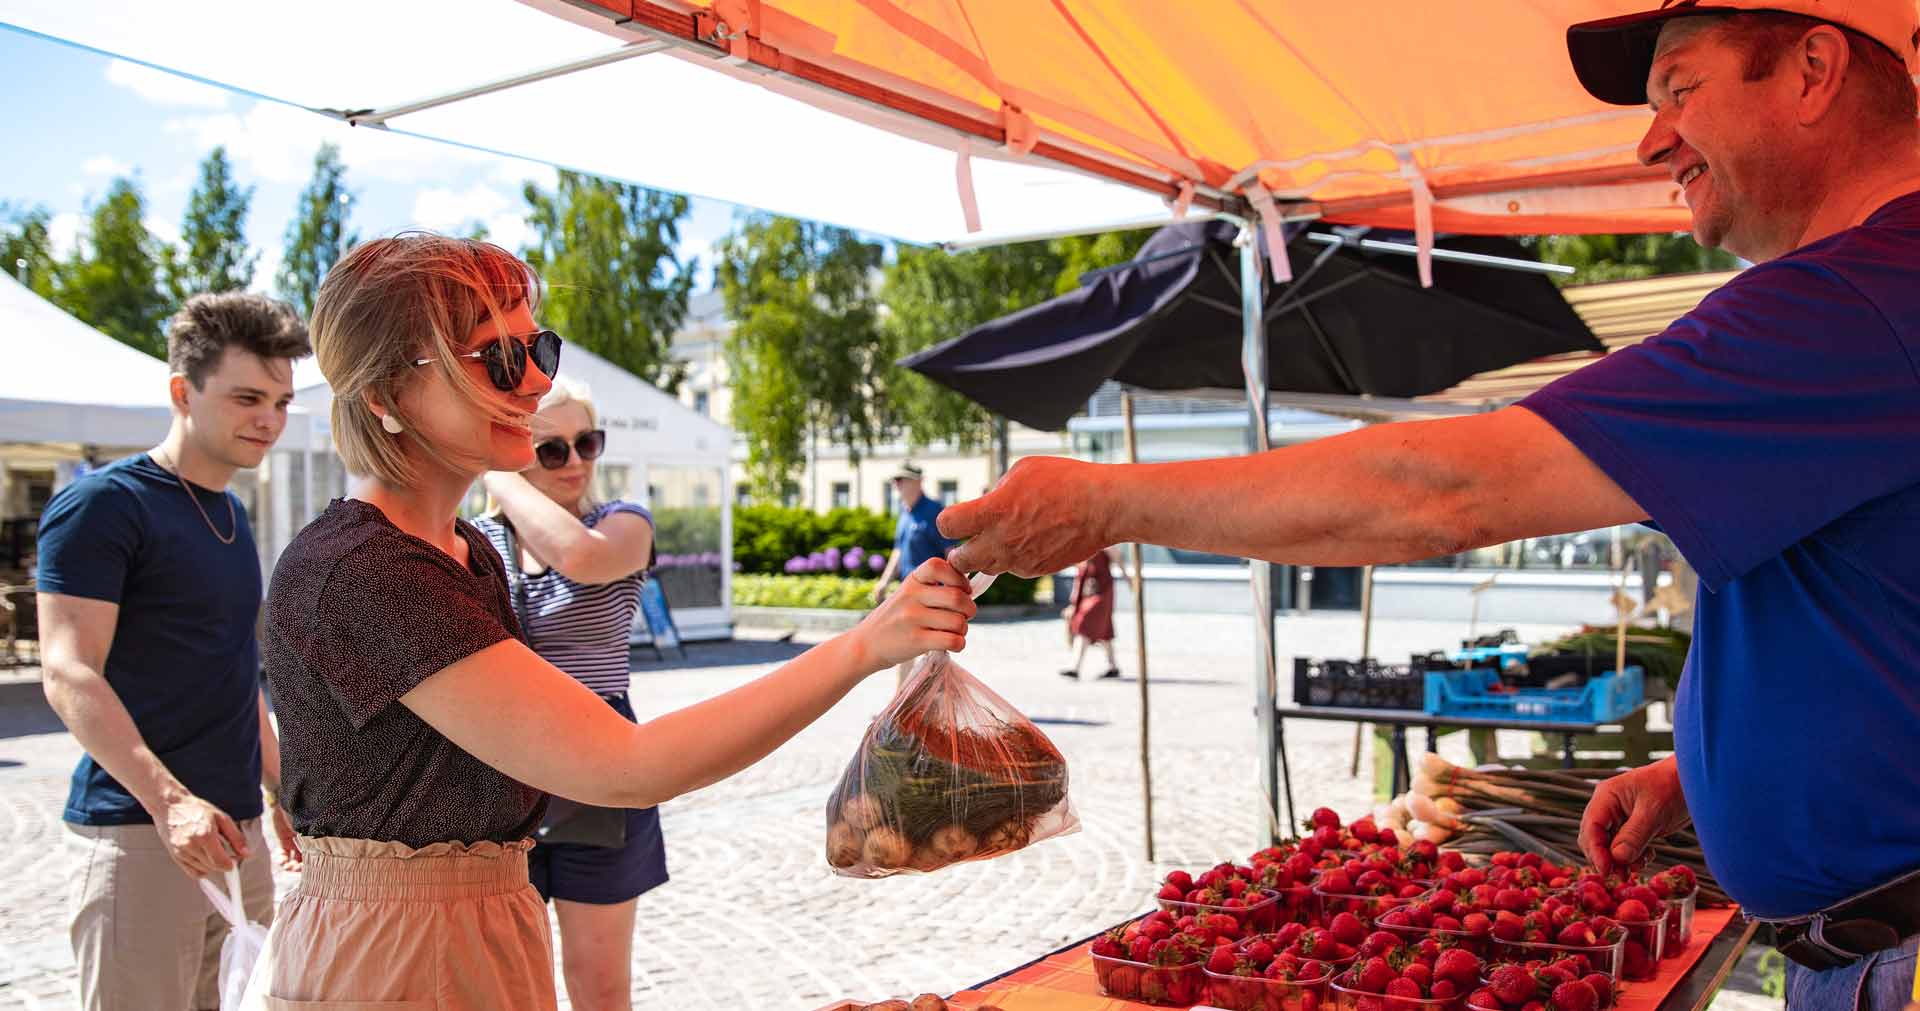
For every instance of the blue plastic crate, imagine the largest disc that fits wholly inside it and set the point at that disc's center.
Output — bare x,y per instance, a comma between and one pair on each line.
1605,698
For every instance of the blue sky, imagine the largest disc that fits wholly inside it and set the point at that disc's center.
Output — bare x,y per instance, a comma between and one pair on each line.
114,118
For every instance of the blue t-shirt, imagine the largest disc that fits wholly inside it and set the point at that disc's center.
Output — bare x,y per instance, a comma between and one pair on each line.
916,537
1774,434
184,660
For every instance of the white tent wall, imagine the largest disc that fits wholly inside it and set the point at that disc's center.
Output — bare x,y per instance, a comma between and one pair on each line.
661,454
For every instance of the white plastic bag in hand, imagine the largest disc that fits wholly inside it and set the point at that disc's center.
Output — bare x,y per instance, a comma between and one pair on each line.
244,940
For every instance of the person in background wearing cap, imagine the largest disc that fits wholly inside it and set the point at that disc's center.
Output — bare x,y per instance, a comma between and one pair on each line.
916,537
1773,433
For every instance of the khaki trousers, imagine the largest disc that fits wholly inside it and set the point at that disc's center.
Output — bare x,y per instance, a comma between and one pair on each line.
144,935
446,927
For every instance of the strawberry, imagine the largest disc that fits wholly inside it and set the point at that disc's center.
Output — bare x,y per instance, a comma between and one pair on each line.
1346,928
1512,900
1574,996
1574,966
1635,962
1646,895
1181,880
1387,838
1222,961
1484,998
1323,817
1172,893
1476,924
1632,911
1602,986
1380,942
1108,945
1122,981
1375,974
1156,930
1449,923
1508,927
1289,934
1458,965
1579,935
1404,987
1534,1005
1336,882
1512,985
1365,830
1140,949
1260,952
1419,972
1444,989
1311,969
1427,950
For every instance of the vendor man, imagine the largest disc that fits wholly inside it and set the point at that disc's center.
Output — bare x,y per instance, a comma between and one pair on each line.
1773,433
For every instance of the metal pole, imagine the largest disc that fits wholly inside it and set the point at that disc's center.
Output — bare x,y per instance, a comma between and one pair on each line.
1140,636
1366,646
1274,777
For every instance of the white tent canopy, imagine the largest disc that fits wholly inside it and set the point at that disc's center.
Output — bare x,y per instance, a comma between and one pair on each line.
69,383
691,130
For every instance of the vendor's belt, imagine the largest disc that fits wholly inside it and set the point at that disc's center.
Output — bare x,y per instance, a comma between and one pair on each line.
1847,931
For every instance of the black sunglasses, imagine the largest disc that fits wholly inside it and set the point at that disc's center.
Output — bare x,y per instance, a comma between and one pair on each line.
552,453
507,365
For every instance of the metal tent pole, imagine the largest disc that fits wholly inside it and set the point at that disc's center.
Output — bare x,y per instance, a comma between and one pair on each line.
1276,780
1139,581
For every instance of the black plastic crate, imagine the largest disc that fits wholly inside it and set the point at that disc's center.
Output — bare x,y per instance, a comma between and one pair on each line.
1357,684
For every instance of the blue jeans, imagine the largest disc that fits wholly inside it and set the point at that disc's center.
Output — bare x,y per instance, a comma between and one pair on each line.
1882,981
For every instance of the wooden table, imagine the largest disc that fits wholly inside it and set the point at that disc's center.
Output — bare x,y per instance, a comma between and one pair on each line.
1400,719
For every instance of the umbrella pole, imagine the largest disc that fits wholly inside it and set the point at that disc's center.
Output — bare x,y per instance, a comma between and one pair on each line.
1139,582
1366,646
1276,779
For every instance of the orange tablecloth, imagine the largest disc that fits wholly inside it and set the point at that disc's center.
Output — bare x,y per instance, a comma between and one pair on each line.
1065,982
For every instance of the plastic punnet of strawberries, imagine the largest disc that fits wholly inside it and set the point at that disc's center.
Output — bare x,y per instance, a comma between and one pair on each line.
1255,976
1227,889
1390,974
1639,911
1562,927
1566,984
1376,878
1153,961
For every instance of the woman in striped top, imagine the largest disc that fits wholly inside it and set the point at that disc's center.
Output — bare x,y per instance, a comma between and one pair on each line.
574,568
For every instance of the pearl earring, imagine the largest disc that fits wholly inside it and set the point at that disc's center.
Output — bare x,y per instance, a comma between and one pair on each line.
391,424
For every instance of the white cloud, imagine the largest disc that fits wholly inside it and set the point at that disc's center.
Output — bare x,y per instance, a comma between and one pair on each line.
162,88
105,165
267,266
162,229
64,232
444,209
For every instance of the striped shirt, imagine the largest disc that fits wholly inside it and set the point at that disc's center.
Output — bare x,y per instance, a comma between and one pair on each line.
581,629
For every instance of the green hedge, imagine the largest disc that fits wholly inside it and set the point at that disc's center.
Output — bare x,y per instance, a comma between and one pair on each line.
764,537
849,593
686,529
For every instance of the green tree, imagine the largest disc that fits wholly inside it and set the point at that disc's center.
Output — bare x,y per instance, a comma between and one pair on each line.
1597,258
1081,253
318,235
806,355
933,296
112,281
26,250
213,253
614,284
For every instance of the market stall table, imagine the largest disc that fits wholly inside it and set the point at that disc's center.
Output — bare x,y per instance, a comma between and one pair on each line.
1401,719
1064,980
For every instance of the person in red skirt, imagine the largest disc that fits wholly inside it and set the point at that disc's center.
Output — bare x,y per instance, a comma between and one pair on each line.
1090,614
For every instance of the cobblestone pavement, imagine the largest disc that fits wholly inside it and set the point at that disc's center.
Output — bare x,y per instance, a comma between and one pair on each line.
753,919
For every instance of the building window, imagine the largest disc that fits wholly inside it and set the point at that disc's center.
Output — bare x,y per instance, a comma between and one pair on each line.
842,494
949,492
887,501
742,494
790,495
700,401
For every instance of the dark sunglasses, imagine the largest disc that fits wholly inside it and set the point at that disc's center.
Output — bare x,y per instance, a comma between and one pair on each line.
507,365
552,453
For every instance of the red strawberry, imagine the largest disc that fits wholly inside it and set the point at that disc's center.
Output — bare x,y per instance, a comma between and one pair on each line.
1419,972
1379,942
1181,880
1534,1005
1156,930
1404,987
1636,963
1457,965
1387,838
1575,996
1449,923
1484,998
1512,984
1511,899
1173,893
1323,817
1365,830
1508,927
1375,974
1221,961
1261,952
1312,968
1574,966
1476,924
1428,949
1336,882
1647,896
1108,945
1141,947
1579,935
1602,986
1346,928
1444,989
1122,981
1289,934
1632,911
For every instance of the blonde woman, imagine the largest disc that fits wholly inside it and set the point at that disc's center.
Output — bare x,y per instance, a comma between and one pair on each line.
574,569
418,730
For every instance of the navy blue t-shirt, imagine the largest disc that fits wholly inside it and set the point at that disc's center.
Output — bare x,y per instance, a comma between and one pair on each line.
917,538
184,660
1774,434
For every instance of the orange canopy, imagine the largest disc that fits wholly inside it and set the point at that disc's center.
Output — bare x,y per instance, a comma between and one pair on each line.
1359,112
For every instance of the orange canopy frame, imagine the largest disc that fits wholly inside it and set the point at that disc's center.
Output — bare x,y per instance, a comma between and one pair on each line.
1428,115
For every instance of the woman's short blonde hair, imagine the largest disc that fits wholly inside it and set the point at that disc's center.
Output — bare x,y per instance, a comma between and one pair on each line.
570,391
390,302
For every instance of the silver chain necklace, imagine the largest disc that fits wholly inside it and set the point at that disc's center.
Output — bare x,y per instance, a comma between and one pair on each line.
233,519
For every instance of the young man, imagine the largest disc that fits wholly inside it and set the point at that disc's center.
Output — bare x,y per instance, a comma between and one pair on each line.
149,590
1773,433
916,537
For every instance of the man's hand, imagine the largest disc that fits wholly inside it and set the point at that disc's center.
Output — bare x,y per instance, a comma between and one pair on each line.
200,837
1642,805
290,856
1047,514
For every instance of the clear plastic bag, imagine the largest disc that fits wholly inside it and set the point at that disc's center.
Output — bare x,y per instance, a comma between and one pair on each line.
244,940
950,771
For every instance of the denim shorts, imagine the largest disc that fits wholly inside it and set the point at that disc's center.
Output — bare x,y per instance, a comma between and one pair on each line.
604,875
1881,981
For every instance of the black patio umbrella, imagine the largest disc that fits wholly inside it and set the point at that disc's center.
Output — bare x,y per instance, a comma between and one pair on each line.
1353,322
